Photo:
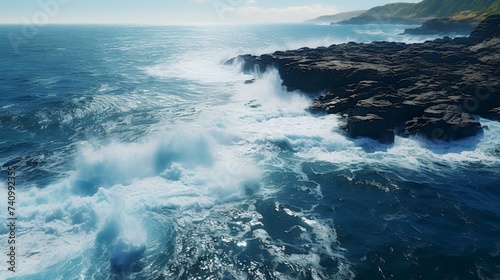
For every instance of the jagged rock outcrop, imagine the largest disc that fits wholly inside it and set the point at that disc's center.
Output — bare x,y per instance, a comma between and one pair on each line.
370,125
443,27
444,122
432,89
493,114
487,30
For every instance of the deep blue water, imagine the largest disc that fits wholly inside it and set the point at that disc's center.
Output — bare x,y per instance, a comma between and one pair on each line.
140,155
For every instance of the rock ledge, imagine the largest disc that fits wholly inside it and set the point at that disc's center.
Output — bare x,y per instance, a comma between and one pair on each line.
431,89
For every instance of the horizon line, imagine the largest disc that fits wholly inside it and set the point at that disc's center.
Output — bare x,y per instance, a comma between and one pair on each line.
152,24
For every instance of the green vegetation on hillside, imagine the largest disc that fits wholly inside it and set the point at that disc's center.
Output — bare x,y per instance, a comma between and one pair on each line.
429,9
448,8
493,9
391,10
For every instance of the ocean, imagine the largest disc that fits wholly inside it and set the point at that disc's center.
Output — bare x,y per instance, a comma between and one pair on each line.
139,154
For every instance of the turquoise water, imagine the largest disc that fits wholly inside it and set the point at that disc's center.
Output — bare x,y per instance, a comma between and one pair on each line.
140,155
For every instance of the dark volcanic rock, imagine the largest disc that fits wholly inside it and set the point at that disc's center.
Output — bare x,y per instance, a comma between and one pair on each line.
443,26
488,29
493,114
392,108
370,125
444,122
386,86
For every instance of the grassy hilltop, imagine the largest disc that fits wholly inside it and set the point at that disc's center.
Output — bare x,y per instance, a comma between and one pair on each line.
428,9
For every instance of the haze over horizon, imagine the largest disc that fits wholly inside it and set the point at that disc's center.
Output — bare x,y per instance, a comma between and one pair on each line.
175,11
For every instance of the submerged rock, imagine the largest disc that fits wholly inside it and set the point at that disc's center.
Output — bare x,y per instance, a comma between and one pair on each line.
408,88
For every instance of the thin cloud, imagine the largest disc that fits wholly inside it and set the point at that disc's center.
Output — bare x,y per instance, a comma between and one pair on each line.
246,14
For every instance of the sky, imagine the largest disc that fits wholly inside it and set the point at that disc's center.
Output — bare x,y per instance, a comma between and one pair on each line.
161,12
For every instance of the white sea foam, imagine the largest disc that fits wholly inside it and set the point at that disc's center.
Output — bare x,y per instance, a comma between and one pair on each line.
320,137
114,187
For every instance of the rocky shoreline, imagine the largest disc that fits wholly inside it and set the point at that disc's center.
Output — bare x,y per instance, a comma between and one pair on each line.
444,27
434,89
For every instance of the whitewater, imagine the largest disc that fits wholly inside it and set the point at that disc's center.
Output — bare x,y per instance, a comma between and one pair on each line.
141,155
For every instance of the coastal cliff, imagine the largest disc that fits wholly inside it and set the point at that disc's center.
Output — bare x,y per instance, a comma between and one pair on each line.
444,27
411,13
434,89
